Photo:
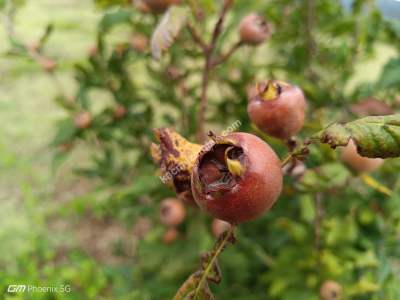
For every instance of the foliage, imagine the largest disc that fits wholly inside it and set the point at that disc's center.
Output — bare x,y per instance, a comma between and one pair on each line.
327,225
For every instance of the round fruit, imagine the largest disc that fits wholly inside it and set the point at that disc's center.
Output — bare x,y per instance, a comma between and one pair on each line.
330,290
219,227
170,236
119,111
47,64
357,162
277,108
253,29
159,6
172,212
236,177
83,120
140,43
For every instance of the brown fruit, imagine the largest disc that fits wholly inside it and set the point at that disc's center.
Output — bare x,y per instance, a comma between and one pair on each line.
330,290
277,108
219,227
119,111
83,120
159,6
253,29
172,212
236,177
358,163
170,236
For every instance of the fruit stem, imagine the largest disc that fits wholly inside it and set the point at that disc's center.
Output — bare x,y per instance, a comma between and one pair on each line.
220,246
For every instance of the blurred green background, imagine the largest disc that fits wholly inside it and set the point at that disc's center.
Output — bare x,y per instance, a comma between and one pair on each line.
52,234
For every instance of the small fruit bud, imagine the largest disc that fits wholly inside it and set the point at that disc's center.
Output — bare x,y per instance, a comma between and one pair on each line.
219,227
236,177
47,64
253,29
277,108
172,212
170,236
330,290
119,112
358,163
83,120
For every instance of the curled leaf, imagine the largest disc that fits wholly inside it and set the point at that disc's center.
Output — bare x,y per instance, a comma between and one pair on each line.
168,30
377,136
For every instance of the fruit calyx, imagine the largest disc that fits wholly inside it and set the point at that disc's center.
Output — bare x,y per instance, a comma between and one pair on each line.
221,167
270,90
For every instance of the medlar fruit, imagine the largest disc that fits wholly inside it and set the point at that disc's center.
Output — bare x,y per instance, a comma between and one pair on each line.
175,156
172,212
277,108
330,290
83,120
119,112
236,177
253,29
358,163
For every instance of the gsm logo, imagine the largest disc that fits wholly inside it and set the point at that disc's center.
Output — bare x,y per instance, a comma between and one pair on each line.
15,288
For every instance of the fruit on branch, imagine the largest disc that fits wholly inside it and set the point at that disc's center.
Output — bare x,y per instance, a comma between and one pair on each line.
330,290
48,64
172,212
236,177
83,120
218,227
277,108
358,163
253,29
159,6
170,236
175,156
119,112
139,42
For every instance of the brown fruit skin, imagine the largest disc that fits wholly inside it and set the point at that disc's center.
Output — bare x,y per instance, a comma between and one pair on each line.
253,30
257,188
172,212
83,120
281,117
358,163
330,290
159,6
170,236
218,227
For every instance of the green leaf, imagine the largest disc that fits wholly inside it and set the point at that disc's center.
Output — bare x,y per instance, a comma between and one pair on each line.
66,132
374,136
168,29
114,18
390,77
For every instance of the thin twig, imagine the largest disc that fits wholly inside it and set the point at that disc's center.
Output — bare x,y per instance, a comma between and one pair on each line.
227,55
197,38
319,214
210,265
207,68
